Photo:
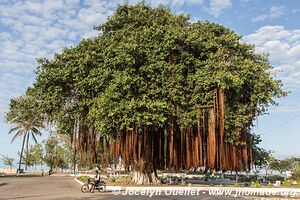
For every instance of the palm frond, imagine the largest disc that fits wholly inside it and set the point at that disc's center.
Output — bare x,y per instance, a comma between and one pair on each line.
14,129
27,126
15,136
39,123
36,131
34,138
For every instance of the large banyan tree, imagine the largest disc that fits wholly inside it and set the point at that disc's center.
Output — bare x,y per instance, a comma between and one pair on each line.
156,91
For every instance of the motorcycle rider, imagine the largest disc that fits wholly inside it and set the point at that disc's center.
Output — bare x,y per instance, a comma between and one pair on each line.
97,177
97,180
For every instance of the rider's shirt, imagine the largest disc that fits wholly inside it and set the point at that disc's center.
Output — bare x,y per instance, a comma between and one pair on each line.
97,177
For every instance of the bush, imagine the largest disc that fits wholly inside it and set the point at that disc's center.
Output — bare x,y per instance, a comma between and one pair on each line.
270,184
275,178
245,178
296,172
112,179
287,183
255,184
83,178
236,185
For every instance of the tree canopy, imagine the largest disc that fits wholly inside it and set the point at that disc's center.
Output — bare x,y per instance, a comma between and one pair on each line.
55,154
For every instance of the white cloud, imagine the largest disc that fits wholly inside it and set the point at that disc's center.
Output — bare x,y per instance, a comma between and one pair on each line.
274,12
295,10
11,86
187,2
90,34
284,49
172,3
31,29
268,33
259,18
195,19
216,7
40,28
33,6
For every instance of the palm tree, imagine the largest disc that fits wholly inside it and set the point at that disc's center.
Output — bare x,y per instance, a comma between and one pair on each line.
25,128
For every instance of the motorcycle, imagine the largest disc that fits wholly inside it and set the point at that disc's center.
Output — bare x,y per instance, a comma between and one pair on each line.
91,185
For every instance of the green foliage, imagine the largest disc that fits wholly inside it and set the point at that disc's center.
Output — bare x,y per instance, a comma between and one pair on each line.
149,67
255,184
288,164
287,183
50,151
285,165
27,158
261,157
23,113
37,152
33,155
22,109
112,179
296,172
270,184
274,178
245,178
27,120
8,161
83,178
55,154
236,185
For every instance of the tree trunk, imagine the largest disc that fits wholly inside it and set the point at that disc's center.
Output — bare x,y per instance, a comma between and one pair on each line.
143,177
75,134
267,170
236,176
211,141
144,169
144,173
21,154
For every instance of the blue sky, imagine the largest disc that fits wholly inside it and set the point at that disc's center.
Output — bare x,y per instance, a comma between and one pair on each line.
38,28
